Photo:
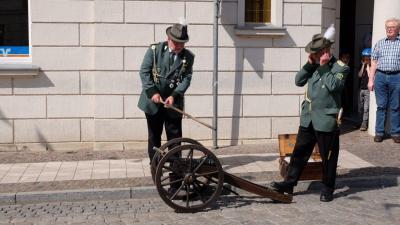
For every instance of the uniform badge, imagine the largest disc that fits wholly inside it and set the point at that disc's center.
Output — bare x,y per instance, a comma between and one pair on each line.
339,76
171,85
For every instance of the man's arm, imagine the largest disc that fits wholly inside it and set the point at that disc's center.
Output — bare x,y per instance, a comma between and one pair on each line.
304,74
333,81
146,74
181,87
375,55
186,78
371,76
360,73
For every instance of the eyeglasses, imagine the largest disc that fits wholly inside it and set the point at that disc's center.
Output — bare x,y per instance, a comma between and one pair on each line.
391,28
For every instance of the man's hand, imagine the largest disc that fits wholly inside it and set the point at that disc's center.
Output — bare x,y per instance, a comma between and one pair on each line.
169,101
371,84
311,58
156,98
325,57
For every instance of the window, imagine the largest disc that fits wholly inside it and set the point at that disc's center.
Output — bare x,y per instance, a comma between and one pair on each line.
257,11
260,18
14,31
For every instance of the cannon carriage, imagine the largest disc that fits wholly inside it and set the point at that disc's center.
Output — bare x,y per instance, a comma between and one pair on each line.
189,177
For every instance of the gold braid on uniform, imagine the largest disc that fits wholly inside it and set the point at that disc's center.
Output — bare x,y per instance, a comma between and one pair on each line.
184,65
154,70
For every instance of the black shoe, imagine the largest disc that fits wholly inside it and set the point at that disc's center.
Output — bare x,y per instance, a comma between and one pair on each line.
396,139
326,197
378,138
282,187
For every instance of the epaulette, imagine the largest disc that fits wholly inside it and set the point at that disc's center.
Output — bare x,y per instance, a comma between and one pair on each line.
340,63
153,46
189,52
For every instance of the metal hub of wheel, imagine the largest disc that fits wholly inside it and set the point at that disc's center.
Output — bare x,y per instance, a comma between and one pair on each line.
189,178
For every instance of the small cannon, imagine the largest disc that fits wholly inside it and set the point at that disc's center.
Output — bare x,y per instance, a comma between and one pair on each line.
189,177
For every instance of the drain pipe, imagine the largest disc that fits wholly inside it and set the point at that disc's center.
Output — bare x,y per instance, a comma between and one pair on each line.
217,7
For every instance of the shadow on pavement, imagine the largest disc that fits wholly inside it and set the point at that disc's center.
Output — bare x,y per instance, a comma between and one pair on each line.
358,180
237,202
355,181
348,126
370,178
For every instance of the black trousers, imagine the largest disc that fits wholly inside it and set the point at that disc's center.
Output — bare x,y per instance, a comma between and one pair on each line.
155,124
328,144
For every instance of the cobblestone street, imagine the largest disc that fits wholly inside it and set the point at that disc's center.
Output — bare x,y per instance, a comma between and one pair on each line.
355,206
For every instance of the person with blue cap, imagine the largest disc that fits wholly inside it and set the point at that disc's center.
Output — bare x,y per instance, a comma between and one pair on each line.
363,75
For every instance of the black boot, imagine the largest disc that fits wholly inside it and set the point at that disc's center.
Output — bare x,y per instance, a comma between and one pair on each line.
283,187
326,194
293,175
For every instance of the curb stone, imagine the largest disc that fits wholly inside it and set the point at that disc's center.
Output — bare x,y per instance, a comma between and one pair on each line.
151,191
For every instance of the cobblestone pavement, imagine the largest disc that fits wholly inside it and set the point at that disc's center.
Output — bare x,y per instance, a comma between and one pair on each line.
362,206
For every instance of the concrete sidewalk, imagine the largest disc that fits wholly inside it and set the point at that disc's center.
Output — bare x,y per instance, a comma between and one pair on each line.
133,168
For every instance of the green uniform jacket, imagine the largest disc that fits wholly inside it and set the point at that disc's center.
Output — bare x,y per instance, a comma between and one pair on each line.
172,81
323,96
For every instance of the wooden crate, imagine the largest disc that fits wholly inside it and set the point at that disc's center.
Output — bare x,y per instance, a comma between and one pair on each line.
313,169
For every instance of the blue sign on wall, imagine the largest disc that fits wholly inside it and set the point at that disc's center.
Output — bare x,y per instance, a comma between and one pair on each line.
14,51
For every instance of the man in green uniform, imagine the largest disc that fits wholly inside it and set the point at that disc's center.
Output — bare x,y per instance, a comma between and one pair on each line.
166,72
325,78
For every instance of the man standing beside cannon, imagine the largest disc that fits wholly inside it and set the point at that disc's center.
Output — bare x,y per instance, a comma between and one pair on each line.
166,72
325,78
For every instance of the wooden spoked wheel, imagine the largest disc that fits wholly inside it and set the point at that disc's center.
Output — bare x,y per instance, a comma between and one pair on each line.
183,178
169,145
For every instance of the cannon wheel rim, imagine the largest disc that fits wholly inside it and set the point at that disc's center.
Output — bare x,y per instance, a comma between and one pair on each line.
205,203
157,156
180,140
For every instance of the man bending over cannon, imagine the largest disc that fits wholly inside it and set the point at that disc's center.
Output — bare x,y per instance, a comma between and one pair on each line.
166,72
325,77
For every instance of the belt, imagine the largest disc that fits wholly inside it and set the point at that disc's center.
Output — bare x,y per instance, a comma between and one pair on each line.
389,72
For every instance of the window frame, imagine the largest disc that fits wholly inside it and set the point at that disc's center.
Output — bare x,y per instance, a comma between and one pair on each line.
22,60
257,23
274,28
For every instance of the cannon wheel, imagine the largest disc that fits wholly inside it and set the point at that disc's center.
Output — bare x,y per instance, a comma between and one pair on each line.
157,156
182,178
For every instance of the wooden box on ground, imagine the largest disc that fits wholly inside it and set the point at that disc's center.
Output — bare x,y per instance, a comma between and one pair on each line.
313,169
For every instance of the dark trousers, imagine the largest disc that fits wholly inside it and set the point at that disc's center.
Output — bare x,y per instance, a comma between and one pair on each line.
155,124
328,144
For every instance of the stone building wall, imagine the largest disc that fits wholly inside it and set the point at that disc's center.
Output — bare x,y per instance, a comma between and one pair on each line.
90,53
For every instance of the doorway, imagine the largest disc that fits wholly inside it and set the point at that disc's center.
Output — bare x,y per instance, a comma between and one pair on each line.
356,19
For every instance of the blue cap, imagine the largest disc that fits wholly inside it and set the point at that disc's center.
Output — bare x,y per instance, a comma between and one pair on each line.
366,52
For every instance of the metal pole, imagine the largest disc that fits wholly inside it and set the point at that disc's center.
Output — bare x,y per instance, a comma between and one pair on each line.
215,74
186,114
